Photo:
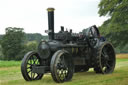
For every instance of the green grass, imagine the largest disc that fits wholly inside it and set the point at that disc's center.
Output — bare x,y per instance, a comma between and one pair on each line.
121,60
11,75
9,63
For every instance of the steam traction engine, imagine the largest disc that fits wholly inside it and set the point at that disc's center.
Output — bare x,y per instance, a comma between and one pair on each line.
66,52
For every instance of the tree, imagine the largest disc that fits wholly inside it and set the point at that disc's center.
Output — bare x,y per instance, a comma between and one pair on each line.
1,55
29,46
12,42
116,27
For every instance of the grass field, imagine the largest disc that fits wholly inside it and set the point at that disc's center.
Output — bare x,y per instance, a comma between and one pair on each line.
10,75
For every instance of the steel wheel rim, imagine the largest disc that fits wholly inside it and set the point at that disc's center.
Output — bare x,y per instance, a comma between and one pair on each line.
107,59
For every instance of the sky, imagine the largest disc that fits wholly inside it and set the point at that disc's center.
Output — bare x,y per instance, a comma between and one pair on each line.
32,14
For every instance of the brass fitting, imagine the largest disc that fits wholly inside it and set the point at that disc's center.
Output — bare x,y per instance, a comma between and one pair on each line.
50,9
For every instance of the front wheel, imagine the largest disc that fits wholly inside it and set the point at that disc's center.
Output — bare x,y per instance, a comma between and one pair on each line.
62,67
29,60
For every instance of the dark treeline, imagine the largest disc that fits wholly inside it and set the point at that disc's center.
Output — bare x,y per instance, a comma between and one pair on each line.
16,43
32,37
35,37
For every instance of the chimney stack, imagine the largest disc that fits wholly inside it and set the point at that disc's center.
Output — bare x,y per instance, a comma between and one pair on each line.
51,23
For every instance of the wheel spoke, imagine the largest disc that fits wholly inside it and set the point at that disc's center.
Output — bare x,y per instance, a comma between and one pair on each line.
30,60
38,62
35,61
33,75
29,71
29,64
29,67
108,65
103,54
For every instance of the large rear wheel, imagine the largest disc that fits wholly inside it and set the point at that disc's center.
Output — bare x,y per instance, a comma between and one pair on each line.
29,60
105,59
62,66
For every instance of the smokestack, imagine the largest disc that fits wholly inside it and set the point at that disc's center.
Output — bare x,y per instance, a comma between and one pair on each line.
51,23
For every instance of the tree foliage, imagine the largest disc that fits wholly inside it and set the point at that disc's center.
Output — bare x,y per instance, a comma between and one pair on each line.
16,43
29,46
35,37
12,42
116,27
